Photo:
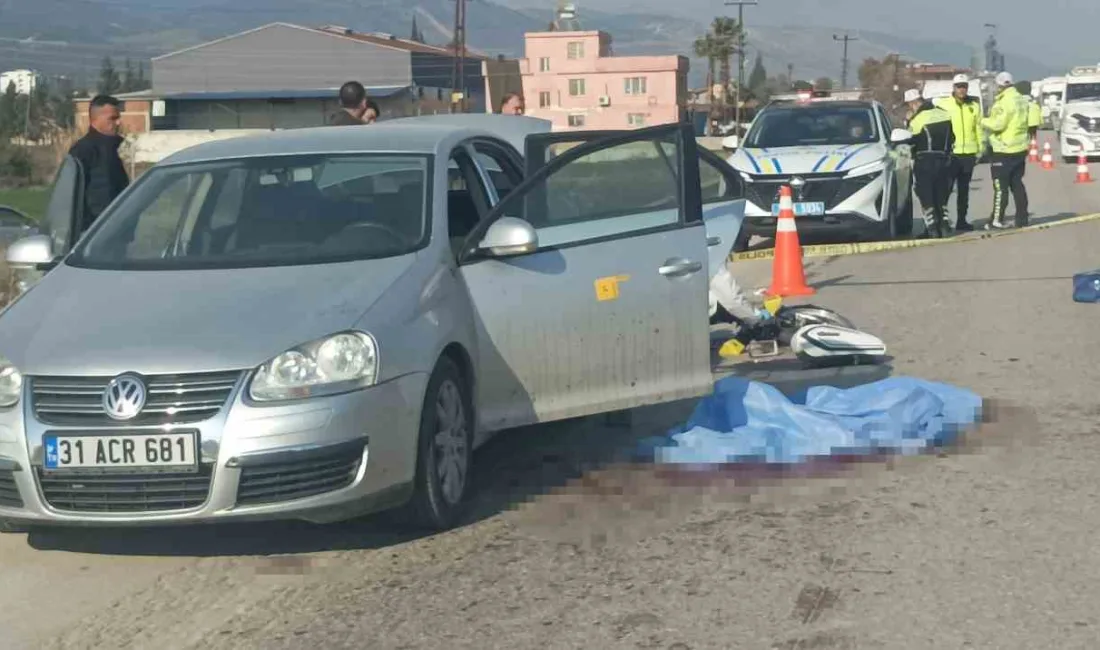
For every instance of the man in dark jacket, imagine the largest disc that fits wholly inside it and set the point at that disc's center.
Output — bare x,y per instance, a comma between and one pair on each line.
104,174
354,106
933,141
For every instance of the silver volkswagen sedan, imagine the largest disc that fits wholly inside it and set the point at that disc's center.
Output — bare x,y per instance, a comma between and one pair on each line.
323,323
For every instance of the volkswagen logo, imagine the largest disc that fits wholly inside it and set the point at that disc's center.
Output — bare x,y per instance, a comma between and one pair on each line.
124,398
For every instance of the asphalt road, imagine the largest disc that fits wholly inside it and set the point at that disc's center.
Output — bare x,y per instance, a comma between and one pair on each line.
987,546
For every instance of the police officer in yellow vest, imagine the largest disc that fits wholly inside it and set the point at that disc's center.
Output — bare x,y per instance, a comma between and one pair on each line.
933,141
1034,112
1007,125
966,123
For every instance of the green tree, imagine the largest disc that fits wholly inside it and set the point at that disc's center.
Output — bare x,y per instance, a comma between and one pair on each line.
823,83
758,78
129,77
61,104
727,39
109,81
9,113
705,49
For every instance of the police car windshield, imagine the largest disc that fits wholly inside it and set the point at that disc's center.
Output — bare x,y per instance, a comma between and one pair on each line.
820,124
1080,92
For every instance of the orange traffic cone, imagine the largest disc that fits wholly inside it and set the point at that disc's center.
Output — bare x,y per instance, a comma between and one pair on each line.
1048,159
1033,152
1083,175
788,277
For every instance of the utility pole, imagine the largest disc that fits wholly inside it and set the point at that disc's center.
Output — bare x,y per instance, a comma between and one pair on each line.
844,61
790,75
458,72
740,4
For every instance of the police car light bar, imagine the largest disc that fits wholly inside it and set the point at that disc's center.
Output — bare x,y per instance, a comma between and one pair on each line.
1085,70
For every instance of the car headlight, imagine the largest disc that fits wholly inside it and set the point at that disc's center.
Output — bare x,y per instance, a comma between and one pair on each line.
335,364
11,383
869,168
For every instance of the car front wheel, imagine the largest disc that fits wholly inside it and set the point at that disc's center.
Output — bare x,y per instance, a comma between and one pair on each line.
444,451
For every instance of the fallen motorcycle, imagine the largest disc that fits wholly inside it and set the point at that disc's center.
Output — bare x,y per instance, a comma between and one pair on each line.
817,336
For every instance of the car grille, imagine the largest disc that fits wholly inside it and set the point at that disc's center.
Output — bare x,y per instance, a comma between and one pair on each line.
9,491
103,493
296,479
830,190
172,399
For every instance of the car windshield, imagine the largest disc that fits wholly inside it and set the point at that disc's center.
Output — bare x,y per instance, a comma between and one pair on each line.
269,211
799,126
1079,92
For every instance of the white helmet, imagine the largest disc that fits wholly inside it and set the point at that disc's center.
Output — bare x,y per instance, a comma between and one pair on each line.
828,345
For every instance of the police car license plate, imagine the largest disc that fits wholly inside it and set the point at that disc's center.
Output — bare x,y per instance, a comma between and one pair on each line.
803,209
175,451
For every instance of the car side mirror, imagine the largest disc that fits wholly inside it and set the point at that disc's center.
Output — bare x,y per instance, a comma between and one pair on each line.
900,136
509,236
731,142
31,252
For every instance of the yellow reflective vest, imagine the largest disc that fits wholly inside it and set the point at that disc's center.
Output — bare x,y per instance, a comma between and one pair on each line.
966,122
1034,115
1007,122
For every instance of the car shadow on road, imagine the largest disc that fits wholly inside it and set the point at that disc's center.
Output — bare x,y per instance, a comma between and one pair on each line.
513,469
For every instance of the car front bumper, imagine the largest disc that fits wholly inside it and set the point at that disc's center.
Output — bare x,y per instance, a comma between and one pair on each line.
1075,141
856,204
320,460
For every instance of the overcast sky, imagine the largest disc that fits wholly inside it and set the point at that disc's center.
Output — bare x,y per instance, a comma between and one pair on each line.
1059,32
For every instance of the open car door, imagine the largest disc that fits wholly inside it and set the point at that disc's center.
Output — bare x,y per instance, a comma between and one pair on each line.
65,209
721,189
588,282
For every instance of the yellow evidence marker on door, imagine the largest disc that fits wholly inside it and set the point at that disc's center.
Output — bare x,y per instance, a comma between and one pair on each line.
608,288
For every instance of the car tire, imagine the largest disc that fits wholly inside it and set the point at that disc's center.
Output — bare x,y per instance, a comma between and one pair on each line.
441,489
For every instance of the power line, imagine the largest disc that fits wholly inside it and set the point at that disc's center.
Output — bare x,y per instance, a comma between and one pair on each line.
740,4
844,61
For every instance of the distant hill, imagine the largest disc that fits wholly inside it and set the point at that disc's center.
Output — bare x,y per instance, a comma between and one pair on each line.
72,36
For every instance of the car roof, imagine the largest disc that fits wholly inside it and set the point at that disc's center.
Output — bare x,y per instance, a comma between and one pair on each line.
416,135
843,103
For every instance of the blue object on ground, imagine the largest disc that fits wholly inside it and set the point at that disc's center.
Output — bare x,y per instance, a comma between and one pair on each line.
748,421
1086,287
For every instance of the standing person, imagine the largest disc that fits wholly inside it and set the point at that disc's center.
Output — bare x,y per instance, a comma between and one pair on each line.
512,104
1008,137
966,123
1034,112
104,174
933,140
353,105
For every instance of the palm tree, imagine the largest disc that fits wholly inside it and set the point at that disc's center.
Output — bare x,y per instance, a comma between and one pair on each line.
727,36
704,49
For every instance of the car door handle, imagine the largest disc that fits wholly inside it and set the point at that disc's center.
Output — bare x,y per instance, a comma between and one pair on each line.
714,241
679,267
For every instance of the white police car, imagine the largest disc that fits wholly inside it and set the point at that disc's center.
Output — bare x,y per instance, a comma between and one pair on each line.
848,168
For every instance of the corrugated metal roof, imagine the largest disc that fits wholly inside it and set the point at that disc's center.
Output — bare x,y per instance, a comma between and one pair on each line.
315,93
388,40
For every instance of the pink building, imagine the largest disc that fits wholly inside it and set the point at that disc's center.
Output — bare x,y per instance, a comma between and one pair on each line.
572,79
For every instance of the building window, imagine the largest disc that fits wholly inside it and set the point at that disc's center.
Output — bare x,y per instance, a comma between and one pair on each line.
634,86
576,87
544,64
575,49
576,120
635,119
544,99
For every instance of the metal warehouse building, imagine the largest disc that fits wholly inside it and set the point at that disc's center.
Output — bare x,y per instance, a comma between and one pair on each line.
281,76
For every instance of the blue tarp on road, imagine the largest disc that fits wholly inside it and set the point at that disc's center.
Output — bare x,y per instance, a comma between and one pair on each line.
747,421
